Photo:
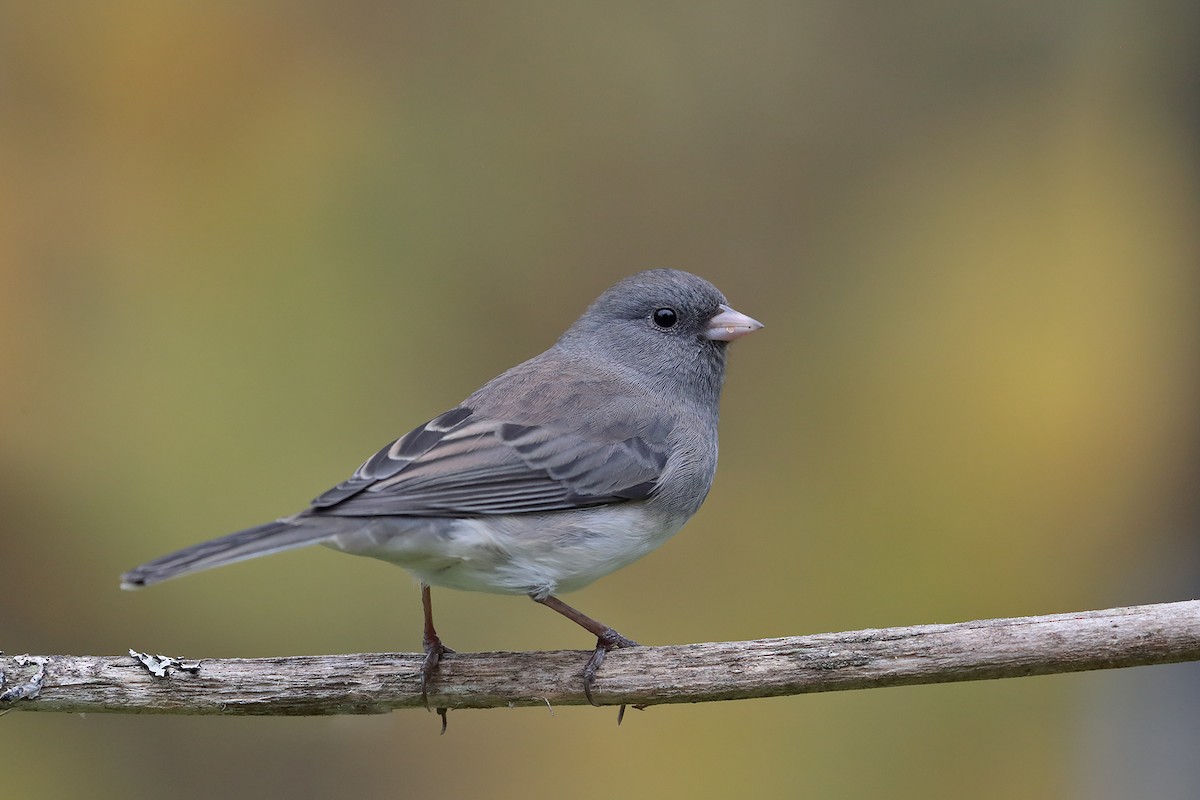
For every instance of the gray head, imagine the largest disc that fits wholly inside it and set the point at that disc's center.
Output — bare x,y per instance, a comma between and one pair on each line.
668,325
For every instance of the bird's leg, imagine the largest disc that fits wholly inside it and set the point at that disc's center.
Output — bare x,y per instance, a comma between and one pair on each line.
434,650
606,639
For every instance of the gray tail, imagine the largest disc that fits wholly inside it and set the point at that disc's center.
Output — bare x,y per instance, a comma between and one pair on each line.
284,534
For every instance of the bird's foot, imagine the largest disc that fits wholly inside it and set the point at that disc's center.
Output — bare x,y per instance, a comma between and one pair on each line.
434,650
607,640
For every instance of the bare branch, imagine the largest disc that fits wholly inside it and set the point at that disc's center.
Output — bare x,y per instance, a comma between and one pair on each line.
377,683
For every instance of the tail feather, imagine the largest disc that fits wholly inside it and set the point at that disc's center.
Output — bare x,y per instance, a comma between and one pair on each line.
284,534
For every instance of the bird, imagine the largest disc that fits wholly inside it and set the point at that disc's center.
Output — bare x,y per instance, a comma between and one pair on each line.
557,472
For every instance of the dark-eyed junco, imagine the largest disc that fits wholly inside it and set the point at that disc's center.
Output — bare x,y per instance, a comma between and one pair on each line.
557,472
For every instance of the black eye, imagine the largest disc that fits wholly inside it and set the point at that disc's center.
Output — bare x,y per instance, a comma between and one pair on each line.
665,317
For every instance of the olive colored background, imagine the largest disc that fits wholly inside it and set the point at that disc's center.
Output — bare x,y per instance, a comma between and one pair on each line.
242,245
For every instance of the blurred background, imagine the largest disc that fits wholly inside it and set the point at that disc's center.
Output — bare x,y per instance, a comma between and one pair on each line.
243,245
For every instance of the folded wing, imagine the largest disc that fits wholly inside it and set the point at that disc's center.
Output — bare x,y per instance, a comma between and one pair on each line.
460,464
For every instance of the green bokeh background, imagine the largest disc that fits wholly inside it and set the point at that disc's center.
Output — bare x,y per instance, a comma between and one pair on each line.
242,245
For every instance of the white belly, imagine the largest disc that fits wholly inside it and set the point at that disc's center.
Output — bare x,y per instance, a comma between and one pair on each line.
535,554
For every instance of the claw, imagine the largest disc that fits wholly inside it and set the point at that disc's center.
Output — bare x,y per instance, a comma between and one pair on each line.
589,671
607,640
434,650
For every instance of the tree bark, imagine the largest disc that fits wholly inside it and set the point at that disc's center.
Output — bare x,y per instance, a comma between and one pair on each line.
376,683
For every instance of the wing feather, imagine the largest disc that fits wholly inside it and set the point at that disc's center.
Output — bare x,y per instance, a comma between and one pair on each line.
460,464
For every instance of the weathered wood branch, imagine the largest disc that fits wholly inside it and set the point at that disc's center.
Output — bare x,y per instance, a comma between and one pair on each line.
381,682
